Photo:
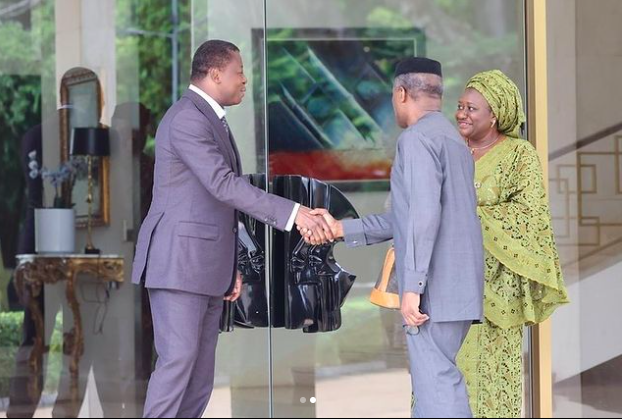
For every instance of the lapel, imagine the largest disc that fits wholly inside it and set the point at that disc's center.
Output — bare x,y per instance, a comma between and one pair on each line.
227,144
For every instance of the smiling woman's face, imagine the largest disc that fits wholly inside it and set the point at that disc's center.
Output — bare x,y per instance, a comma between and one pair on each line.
474,116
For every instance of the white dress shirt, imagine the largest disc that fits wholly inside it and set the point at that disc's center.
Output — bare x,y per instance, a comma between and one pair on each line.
220,113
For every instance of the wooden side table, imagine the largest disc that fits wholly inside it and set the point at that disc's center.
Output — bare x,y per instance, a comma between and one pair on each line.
34,271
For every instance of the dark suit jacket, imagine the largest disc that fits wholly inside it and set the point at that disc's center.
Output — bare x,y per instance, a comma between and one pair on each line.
188,241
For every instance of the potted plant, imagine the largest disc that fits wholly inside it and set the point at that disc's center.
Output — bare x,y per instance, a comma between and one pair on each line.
55,226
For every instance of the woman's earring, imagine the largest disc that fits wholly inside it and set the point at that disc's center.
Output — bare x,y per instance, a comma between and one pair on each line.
493,123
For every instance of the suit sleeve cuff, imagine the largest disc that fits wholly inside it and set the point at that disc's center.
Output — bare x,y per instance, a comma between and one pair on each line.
415,282
292,218
354,233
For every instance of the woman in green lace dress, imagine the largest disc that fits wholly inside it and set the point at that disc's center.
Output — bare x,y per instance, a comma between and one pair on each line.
524,283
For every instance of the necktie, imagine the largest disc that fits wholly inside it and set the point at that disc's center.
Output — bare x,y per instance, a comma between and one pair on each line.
224,124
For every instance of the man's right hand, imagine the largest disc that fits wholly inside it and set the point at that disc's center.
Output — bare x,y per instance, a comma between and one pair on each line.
313,228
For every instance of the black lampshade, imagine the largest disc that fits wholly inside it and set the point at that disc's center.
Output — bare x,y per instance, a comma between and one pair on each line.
90,142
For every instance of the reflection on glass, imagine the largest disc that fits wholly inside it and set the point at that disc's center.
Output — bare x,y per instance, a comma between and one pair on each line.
311,283
329,74
330,95
585,178
82,99
309,287
329,117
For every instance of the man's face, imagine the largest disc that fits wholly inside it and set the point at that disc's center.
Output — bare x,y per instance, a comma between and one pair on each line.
233,81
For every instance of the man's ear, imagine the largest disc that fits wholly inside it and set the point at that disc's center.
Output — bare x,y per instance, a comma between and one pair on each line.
402,94
214,74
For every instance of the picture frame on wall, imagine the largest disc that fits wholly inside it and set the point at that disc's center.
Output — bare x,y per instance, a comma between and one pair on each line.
329,110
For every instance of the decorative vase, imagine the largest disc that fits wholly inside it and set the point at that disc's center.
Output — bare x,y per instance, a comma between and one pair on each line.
55,230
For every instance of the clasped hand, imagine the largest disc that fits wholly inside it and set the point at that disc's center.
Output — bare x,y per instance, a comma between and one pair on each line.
318,226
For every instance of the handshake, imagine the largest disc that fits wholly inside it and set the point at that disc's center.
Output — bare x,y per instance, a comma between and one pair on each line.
317,226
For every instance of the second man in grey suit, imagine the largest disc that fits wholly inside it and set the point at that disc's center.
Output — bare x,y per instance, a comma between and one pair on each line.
438,240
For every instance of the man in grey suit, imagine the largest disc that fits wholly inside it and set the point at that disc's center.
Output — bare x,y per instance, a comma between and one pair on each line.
187,246
437,235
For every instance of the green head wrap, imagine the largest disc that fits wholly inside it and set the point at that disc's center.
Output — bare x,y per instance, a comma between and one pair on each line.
504,99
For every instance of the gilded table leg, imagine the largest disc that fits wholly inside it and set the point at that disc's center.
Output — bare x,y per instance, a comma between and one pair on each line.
28,293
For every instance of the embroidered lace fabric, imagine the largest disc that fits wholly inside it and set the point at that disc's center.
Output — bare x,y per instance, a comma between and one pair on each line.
524,283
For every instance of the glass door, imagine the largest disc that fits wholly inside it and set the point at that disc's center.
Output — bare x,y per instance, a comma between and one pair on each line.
329,80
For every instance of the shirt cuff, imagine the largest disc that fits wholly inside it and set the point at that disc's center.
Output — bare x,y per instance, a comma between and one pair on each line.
415,282
292,218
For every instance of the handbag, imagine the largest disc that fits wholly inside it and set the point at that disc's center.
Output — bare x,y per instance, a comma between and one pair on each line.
386,291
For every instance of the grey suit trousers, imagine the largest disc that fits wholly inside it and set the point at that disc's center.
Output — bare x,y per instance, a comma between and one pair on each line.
438,385
186,330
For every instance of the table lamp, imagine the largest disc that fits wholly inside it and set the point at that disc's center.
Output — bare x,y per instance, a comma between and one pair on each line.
90,142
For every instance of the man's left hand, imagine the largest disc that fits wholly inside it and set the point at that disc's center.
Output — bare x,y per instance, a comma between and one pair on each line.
237,289
410,310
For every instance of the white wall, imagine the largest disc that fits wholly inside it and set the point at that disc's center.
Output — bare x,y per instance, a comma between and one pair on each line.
599,65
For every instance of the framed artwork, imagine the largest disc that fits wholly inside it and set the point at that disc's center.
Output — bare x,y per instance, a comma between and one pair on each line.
329,110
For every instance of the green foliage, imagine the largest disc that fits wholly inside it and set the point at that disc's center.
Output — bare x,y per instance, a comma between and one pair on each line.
10,335
17,49
20,107
21,71
11,329
152,51
5,278
10,339
20,110
55,357
154,56
463,9
385,17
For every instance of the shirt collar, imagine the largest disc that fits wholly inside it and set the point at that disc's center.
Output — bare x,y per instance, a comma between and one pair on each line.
220,111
